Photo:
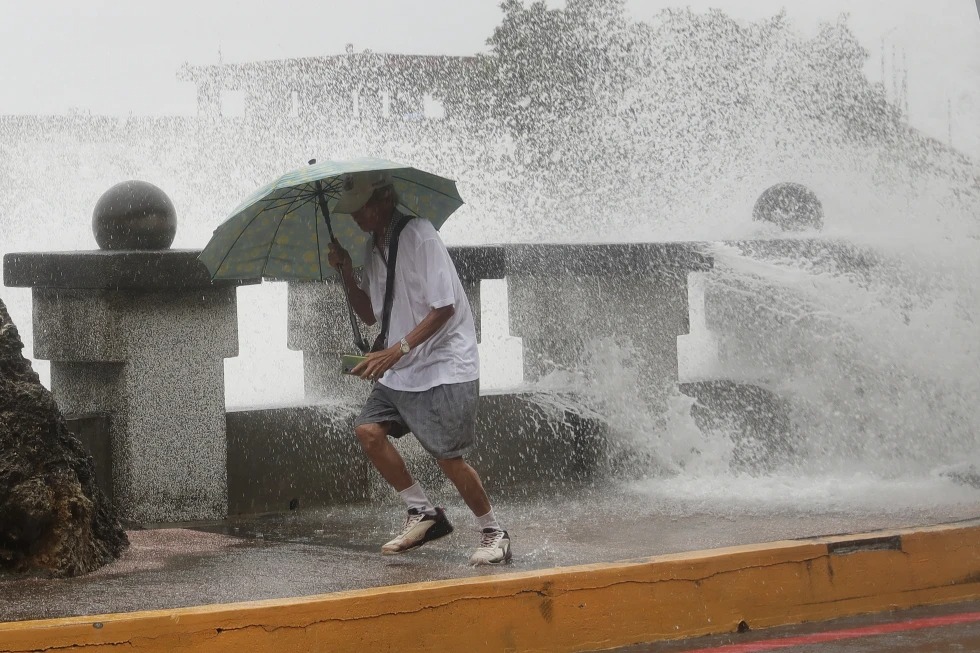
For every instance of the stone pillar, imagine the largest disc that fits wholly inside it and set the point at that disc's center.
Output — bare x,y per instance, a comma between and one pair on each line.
318,324
141,336
564,298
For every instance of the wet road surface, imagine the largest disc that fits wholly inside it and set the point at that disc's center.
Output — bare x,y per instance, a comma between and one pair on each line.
306,553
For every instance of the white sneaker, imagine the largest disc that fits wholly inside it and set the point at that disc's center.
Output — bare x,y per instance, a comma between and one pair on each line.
494,548
419,529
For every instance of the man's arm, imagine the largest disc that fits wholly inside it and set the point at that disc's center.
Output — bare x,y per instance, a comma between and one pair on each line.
339,259
379,362
358,298
431,323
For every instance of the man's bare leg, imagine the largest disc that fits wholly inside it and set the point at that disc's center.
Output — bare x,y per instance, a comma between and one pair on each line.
421,525
384,456
494,547
468,483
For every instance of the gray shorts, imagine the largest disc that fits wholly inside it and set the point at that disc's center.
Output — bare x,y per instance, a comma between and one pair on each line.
442,419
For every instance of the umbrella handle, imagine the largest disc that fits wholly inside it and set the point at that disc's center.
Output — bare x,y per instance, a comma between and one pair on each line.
322,201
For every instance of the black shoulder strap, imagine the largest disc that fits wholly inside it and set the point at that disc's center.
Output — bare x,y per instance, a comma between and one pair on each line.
382,340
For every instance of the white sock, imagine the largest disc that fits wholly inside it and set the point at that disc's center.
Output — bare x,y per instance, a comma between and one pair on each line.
414,497
488,520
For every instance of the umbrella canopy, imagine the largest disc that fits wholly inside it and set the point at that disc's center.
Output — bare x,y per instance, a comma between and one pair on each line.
281,232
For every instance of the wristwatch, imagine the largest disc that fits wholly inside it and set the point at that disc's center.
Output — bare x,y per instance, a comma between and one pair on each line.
404,346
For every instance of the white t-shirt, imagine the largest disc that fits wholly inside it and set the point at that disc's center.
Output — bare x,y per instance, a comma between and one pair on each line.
425,278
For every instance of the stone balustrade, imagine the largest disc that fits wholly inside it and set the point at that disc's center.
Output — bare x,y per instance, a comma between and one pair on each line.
141,337
751,332
564,297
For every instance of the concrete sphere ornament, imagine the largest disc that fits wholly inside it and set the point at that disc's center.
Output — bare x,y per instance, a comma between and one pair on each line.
791,206
134,215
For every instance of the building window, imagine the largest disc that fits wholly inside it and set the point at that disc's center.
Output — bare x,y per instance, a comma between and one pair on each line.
434,110
233,104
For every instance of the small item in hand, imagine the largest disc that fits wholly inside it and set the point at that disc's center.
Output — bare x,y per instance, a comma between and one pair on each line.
350,361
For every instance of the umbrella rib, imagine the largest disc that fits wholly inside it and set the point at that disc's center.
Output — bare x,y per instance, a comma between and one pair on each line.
267,208
239,236
280,198
286,200
290,202
276,235
335,186
302,188
434,190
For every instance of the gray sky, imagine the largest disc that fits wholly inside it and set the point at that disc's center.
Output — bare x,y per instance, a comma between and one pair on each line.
121,56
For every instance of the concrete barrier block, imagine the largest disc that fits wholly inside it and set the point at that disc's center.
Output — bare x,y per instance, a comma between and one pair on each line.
309,454
293,457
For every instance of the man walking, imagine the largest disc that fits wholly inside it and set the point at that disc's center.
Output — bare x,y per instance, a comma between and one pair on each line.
427,382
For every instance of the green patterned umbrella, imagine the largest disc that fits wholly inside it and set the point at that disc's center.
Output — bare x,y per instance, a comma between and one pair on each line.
283,229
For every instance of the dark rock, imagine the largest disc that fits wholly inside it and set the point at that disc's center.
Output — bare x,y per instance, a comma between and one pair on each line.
53,517
756,418
968,475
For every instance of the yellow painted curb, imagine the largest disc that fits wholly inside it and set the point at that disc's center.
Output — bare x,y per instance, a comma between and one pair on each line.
568,609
